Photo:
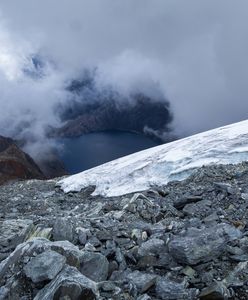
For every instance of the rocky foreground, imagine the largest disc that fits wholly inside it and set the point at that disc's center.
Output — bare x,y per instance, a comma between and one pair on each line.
184,240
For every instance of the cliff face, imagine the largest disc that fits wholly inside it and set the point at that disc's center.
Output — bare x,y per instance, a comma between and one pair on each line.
15,164
91,109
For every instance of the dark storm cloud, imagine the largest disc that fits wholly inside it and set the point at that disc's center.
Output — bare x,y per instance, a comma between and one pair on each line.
194,52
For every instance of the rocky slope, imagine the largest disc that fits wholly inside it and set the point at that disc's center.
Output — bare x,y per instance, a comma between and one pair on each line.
183,240
15,164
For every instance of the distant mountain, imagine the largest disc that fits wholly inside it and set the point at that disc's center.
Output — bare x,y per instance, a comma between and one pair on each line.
15,164
92,109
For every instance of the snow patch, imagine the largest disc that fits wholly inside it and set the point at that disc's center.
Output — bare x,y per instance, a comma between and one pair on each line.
161,164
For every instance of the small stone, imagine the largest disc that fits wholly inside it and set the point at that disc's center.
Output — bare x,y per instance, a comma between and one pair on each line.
188,271
44,266
83,235
89,247
144,236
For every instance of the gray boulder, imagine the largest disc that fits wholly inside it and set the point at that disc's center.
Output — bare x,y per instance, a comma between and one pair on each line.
14,232
63,230
151,247
69,284
94,265
44,266
143,281
217,291
67,249
201,245
170,290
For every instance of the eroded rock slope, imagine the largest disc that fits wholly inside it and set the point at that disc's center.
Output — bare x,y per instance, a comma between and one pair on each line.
183,240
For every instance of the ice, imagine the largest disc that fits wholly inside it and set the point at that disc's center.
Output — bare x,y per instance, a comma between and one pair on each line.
161,164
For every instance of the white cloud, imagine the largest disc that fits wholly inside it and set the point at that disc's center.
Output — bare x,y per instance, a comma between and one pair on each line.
192,51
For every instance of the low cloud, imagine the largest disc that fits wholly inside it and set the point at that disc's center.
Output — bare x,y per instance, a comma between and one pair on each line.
192,53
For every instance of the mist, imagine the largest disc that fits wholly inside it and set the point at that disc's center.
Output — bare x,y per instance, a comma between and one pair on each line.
192,53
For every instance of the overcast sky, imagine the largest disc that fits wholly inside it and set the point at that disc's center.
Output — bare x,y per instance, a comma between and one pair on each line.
195,51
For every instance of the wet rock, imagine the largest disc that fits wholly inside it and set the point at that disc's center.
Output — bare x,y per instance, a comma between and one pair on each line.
44,266
200,245
69,284
94,265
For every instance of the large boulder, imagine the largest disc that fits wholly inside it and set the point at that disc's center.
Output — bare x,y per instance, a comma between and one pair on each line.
143,281
94,265
69,284
44,266
170,290
202,245
12,233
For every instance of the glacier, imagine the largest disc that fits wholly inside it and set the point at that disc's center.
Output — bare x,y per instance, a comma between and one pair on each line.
159,165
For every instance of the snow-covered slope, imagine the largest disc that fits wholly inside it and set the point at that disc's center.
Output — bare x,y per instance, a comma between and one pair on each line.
158,165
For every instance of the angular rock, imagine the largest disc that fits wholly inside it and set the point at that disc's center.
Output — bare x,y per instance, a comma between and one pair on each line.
197,209
143,281
14,232
38,231
63,230
170,290
201,245
94,265
44,266
67,249
38,246
69,284
217,291
151,247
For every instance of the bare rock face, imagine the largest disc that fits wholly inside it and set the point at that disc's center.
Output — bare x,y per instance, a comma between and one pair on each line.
107,115
15,164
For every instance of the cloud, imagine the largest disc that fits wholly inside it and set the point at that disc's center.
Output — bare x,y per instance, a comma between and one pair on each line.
192,52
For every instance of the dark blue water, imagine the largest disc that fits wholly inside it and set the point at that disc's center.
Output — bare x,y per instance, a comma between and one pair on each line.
93,149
